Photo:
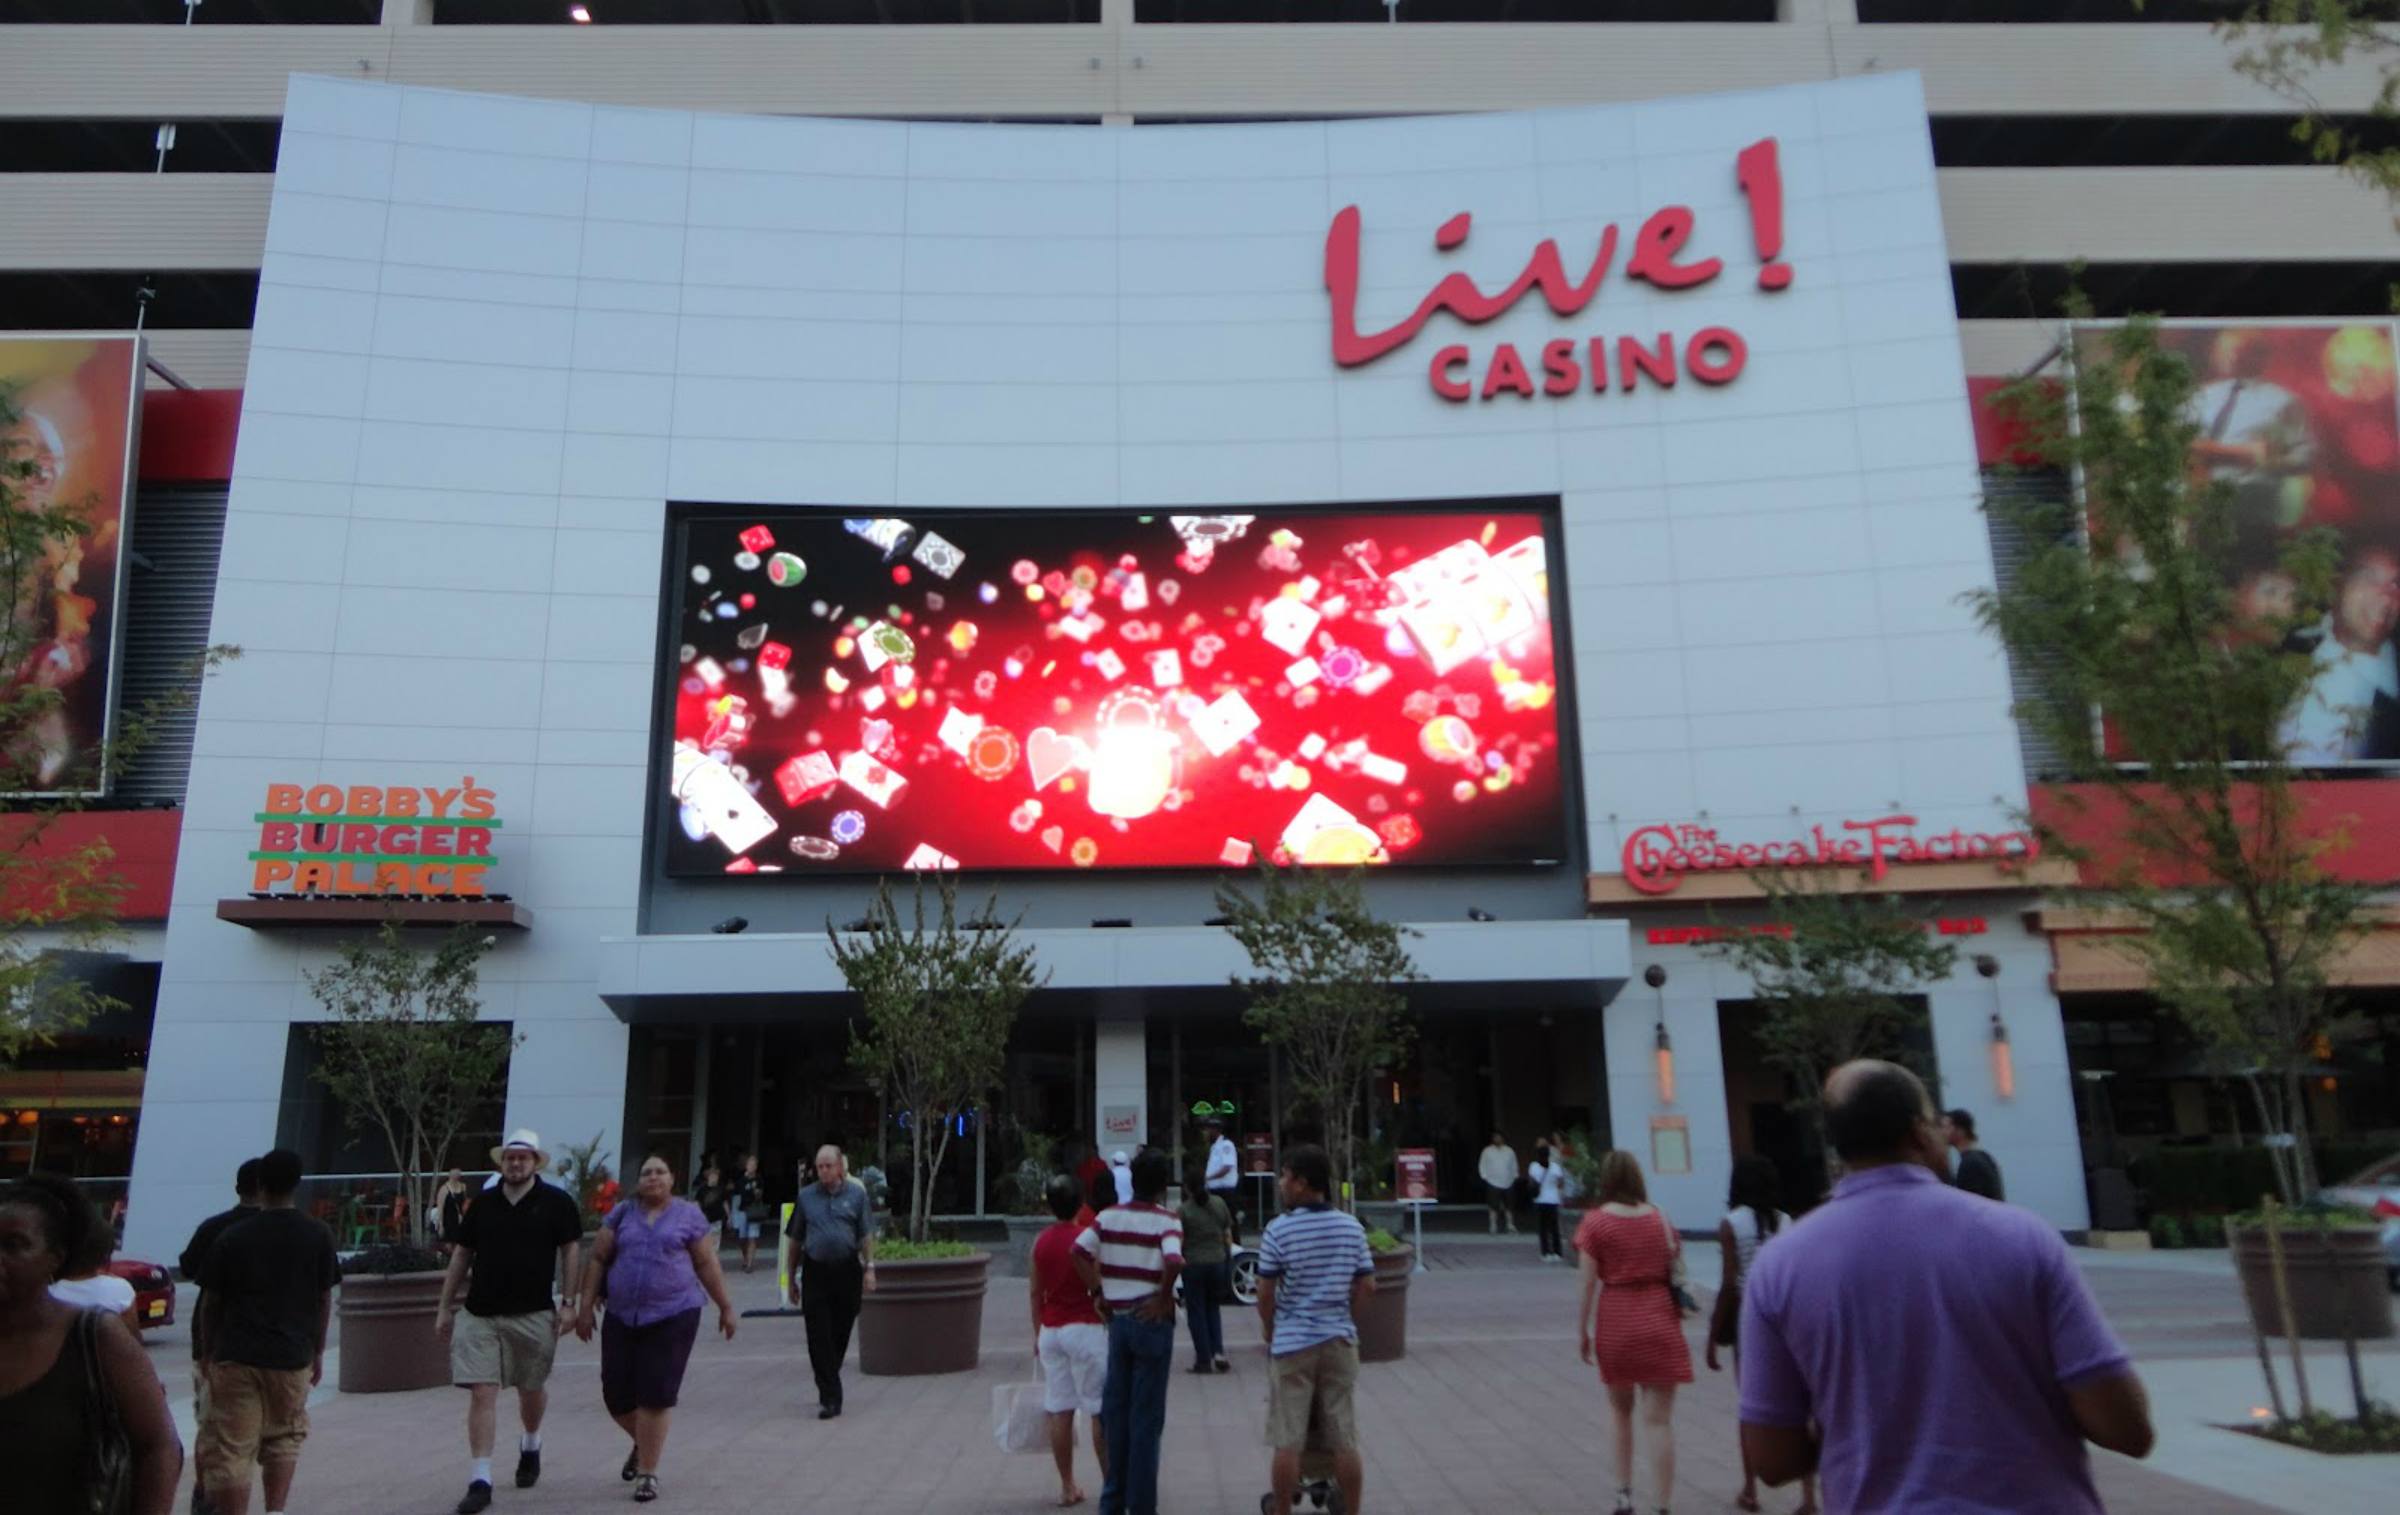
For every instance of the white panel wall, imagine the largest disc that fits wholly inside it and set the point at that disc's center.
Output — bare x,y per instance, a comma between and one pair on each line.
2032,1134
495,335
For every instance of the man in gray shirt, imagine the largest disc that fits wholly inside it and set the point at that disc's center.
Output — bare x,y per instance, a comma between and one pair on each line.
833,1241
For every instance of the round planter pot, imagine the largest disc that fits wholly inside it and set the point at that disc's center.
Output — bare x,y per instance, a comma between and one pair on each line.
925,1316
387,1333
2339,1282
1383,1324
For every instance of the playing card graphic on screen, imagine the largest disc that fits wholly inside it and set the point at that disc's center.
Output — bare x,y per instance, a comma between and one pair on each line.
1037,690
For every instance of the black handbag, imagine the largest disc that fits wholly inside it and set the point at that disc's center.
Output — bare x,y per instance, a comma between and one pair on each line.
108,1454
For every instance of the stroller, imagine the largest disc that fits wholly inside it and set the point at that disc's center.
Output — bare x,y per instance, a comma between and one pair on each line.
1317,1489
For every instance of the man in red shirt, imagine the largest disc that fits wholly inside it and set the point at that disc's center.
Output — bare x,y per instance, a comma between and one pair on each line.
1068,1337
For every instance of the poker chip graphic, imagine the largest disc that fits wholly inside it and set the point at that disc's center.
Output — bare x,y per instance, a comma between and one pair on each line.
1070,690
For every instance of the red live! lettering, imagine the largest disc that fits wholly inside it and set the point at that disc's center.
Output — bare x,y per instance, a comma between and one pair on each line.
1715,355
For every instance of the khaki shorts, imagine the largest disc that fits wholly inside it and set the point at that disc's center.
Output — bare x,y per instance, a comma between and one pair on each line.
250,1415
513,1351
1319,1380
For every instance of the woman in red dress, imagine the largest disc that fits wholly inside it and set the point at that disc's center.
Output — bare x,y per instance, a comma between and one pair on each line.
1629,1254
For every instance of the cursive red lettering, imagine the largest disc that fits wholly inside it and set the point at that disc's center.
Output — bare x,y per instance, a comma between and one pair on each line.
1457,293
1446,383
1656,247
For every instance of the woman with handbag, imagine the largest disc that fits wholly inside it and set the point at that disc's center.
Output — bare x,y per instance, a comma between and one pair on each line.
1632,1264
746,1208
81,1410
1750,1218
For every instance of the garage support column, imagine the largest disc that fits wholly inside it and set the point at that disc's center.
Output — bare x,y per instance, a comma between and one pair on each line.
1121,1083
408,12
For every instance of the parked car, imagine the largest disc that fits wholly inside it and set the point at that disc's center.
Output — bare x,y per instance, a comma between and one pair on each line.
2376,1190
153,1290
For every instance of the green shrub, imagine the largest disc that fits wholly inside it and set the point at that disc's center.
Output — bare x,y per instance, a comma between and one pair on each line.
2166,1233
2206,1230
1379,1240
2306,1218
901,1249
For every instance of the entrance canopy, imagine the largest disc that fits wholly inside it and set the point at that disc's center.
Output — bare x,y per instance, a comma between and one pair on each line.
663,980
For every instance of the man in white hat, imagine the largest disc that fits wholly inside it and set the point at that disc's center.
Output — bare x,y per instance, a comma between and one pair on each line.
517,1238
1122,1171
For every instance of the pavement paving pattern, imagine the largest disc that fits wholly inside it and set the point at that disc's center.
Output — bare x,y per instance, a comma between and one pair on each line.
1490,1412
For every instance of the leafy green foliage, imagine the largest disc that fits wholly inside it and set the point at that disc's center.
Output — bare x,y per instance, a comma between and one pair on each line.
55,900
2130,607
582,1170
901,1249
938,998
1326,991
2285,45
1380,1241
2378,1430
403,1050
1835,984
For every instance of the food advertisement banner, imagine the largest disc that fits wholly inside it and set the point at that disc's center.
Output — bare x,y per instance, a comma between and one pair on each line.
76,402
2302,421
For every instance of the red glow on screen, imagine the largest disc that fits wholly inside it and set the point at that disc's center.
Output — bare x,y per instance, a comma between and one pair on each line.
1049,690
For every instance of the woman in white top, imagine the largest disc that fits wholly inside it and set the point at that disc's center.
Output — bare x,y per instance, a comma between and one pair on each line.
1750,1219
81,1282
1548,1176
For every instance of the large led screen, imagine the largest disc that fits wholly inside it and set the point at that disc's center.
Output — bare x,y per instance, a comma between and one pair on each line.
1053,689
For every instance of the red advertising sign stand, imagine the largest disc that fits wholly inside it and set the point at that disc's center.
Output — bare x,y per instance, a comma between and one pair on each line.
1258,1164
1416,1188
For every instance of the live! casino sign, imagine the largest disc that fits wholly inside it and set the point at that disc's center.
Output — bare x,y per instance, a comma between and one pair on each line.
1657,859
1713,355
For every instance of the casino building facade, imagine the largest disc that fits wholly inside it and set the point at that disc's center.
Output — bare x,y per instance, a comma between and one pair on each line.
659,508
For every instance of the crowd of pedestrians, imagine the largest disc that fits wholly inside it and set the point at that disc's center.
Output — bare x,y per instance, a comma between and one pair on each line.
1912,1343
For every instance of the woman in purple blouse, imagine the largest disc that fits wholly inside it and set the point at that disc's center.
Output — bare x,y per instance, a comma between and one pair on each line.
657,1253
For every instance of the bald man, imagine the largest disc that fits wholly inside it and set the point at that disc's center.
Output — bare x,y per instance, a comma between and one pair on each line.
833,1243
1945,1349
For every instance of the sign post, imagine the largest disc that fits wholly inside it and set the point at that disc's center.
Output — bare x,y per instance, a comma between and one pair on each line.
1416,1188
1258,1162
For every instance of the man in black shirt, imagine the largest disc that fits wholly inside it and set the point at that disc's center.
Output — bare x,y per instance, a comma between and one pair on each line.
1978,1171
518,1236
267,1296
195,1253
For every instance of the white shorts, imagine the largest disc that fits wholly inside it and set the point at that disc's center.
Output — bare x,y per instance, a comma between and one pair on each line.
1074,1366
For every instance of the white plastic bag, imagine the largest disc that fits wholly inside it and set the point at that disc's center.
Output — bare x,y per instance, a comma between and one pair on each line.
1018,1424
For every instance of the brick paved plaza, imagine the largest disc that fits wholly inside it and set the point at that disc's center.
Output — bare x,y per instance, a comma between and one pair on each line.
1491,1412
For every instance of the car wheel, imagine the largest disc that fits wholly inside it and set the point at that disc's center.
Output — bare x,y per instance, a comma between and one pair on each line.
1245,1278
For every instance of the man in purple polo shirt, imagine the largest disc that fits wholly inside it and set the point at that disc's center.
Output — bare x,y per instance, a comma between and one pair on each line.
1946,1348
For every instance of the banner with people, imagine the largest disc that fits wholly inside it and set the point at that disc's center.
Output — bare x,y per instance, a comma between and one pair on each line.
2301,419
76,402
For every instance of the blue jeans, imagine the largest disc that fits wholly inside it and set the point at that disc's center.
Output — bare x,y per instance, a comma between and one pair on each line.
1133,1411
1202,1284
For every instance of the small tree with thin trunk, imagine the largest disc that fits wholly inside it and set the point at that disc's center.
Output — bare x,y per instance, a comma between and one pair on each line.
55,901
2288,45
2167,696
403,1051
1834,977
1326,992
938,998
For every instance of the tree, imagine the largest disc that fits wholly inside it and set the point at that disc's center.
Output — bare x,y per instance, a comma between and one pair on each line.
938,999
1326,992
56,900
404,1051
2286,44
1832,975
2167,692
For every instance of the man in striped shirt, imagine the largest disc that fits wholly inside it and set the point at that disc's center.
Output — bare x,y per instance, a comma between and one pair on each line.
1131,1254
1314,1271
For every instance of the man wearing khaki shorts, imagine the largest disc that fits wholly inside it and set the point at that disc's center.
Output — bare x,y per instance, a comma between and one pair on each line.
266,1298
1314,1271
517,1237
